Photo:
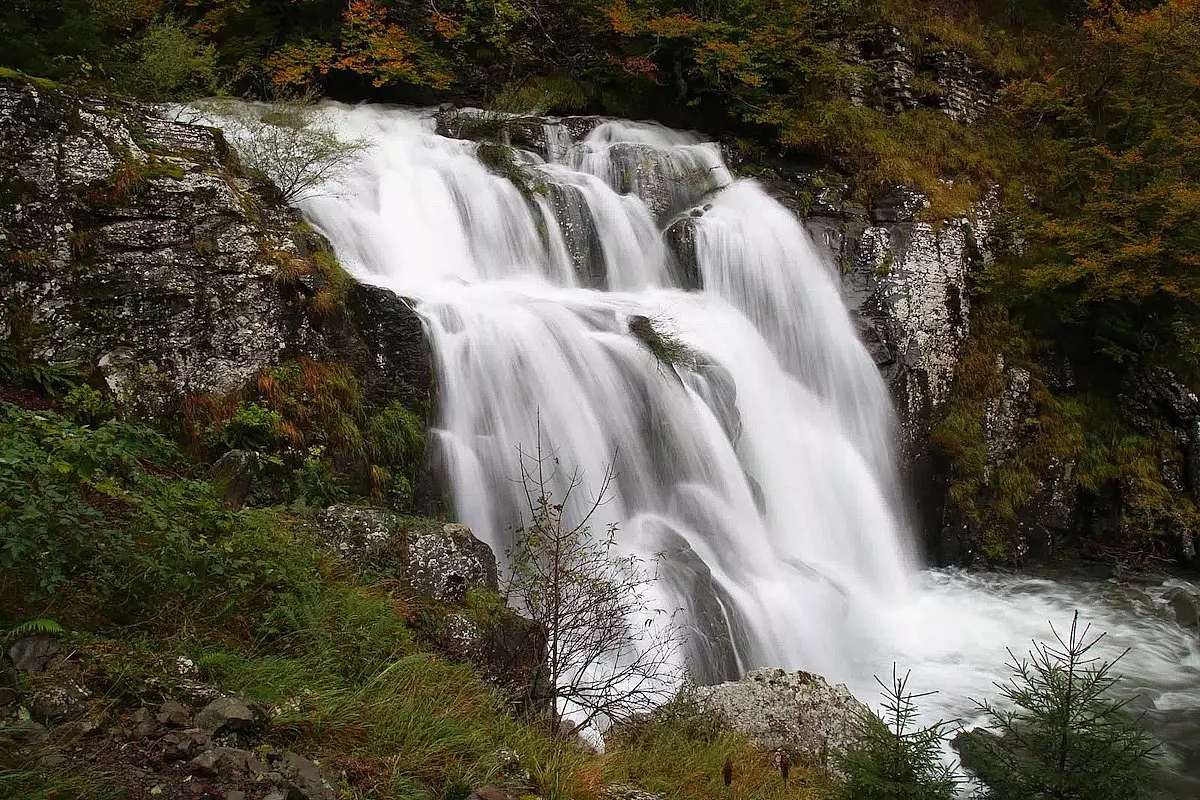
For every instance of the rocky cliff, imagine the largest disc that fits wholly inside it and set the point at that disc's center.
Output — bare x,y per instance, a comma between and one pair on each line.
136,247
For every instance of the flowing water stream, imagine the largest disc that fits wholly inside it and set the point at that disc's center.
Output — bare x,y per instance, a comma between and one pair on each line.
760,463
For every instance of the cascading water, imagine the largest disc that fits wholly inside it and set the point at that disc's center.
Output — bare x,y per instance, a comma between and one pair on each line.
762,467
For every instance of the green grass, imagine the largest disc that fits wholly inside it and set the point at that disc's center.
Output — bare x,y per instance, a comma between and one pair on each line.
679,752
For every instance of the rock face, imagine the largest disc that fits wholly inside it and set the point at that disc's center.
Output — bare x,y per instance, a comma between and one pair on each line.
135,247
794,711
442,562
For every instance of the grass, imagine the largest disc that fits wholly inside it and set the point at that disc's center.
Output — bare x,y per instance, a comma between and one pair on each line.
679,753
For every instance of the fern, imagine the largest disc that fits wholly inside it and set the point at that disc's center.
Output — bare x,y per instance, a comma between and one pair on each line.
39,626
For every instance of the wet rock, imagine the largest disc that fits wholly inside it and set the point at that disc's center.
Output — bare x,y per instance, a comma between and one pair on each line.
228,714
32,654
797,711
1185,605
680,238
393,337
440,561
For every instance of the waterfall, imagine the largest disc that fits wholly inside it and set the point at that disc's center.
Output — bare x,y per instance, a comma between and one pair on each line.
761,467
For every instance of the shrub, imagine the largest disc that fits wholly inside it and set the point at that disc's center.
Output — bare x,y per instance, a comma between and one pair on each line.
289,144
1061,736
174,64
896,760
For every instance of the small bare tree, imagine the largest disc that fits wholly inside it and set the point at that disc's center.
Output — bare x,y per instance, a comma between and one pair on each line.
290,143
610,654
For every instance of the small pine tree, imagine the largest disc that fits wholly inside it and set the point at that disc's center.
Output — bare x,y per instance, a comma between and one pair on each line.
1062,738
895,760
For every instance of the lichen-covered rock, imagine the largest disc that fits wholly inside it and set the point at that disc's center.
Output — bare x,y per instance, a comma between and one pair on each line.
794,711
59,698
134,246
439,561
508,649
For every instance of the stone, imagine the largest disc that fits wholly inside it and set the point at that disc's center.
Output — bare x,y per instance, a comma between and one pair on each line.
797,711
1185,605
32,654
173,714
233,475
181,745
23,731
303,779
226,763
441,562
52,761
144,724
59,700
228,714
234,794
491,793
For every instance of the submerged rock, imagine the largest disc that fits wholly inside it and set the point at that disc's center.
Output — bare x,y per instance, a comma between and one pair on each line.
793,711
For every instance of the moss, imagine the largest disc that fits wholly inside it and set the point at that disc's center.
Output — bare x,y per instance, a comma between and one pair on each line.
502,160
666,347
15,76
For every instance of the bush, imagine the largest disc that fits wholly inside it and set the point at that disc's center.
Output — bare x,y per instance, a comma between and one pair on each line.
897,760
108,521
1061,736
174,64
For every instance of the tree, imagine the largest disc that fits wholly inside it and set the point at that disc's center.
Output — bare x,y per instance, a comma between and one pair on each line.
610,655
289,143
1063,738
895,760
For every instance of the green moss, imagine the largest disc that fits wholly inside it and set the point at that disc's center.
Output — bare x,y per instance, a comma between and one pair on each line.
502,160
16,76
669,349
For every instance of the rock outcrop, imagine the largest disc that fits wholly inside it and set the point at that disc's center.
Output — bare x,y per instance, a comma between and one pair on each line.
444,563
135,247
795,712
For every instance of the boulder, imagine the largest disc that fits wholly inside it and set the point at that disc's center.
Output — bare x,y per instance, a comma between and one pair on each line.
228,714
58,700
508,650
435,560
1185,605
794,711
173,714
32,654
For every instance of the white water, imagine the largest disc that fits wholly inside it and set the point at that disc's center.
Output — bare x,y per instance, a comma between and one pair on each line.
768,466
